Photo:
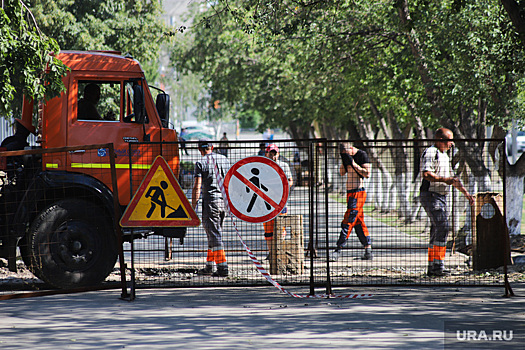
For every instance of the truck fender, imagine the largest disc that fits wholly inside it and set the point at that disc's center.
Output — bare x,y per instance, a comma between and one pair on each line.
51,186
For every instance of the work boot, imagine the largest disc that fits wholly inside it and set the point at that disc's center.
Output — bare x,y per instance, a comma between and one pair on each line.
441,273
334,256
208,270
437,271
368,254
222,271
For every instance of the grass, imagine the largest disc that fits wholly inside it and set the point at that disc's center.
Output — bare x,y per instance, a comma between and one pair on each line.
416,228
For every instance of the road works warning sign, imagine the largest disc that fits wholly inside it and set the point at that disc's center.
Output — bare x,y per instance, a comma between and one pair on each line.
159,201
257,189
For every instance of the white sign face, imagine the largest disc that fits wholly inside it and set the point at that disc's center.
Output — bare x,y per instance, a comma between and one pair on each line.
257,189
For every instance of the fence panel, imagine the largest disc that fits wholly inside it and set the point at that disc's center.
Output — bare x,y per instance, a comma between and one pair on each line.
398,226
56,229
304,238
159,260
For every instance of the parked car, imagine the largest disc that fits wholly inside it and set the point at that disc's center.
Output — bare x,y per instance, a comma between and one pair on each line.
198,132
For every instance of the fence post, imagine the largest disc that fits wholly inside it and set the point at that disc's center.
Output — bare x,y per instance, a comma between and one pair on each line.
116,218
327,233
311,215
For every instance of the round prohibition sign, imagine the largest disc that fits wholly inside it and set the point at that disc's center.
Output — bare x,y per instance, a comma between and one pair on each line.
256,188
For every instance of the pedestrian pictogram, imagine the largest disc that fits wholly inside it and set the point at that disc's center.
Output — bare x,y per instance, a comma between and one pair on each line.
255,180
256,189
159,201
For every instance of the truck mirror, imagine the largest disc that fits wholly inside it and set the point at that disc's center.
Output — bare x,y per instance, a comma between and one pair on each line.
138,104
163,108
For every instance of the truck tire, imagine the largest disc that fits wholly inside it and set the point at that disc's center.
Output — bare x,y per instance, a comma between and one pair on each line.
25,252
73,244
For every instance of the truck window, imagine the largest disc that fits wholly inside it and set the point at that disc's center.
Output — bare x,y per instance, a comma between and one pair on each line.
98,100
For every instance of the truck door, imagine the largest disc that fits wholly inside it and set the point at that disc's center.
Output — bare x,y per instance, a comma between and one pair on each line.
104,113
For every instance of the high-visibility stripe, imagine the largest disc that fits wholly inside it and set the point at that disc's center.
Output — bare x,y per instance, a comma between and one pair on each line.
431,254
91,165
220,256
101,166
440,253
210,257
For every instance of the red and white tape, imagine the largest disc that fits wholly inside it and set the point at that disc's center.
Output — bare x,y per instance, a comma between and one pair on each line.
258,264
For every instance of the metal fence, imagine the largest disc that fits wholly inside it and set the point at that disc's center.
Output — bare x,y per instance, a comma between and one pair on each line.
304,238
398,226
57,221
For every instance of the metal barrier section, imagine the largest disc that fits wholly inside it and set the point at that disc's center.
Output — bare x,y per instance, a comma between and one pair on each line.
58,232
398,226
165,261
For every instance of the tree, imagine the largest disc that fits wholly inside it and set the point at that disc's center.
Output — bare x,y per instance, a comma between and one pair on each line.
516,172
130,27
26,59
133,27
364,67
517,16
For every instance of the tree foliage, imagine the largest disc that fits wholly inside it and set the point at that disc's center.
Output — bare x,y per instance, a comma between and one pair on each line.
333,64
133,27
129,27
24,56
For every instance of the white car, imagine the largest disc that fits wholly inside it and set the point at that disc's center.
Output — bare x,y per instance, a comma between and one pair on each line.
196,132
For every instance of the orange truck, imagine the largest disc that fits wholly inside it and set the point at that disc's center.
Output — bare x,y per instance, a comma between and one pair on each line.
60,214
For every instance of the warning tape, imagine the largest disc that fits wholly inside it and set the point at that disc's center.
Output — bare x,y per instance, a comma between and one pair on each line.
256,262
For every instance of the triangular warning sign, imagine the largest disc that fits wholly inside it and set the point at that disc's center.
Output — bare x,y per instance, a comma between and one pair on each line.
159,201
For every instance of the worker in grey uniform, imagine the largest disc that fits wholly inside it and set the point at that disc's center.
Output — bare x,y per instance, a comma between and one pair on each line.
213,206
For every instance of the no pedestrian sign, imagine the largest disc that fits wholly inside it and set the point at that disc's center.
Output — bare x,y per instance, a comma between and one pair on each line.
257,189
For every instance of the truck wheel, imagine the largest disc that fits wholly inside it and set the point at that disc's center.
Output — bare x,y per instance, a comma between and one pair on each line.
73,244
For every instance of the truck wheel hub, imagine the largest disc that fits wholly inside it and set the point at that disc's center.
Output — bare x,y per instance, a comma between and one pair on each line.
74,242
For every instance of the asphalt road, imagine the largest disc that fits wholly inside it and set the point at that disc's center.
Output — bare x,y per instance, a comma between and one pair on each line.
262,318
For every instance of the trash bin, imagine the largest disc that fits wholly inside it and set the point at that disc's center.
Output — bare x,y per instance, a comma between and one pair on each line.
288,247
490,243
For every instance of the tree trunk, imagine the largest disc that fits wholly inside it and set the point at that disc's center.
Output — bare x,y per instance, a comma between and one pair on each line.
515,13
514,192
384,186
514,203
432,93
299,133
399,153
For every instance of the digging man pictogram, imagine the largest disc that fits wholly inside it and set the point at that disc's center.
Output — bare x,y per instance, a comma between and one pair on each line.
157,196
